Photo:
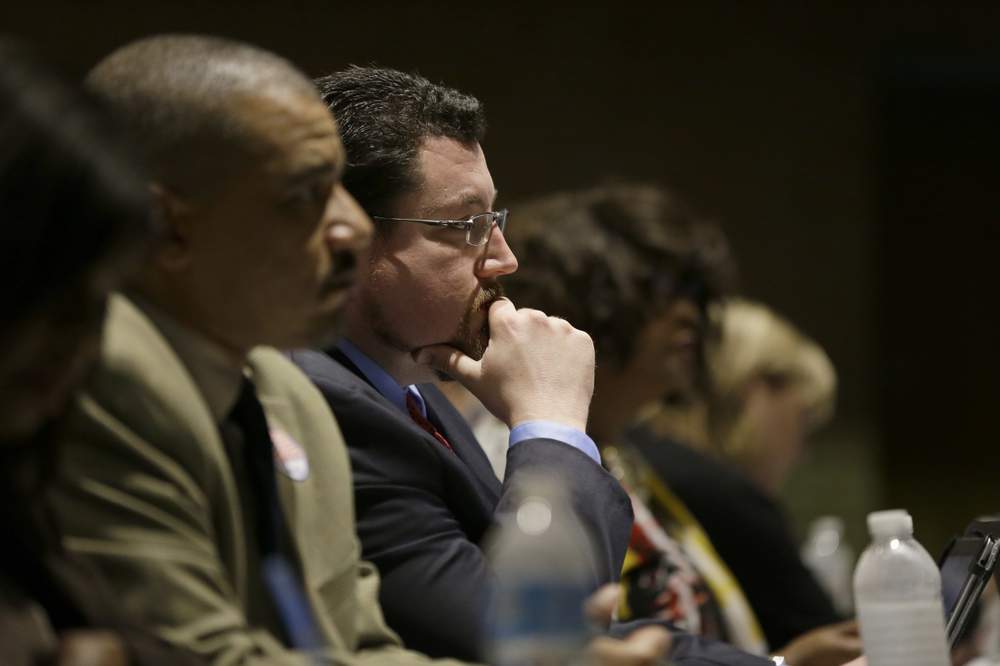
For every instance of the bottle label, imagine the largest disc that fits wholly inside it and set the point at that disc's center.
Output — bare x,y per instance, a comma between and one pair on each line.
538,623
907,633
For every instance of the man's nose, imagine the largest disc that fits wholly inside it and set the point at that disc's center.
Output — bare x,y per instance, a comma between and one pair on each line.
497,259
350,227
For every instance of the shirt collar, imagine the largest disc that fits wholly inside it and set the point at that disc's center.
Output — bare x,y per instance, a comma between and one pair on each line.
212,367
380,379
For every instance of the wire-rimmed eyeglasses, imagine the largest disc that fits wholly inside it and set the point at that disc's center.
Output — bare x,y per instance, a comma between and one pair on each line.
477,227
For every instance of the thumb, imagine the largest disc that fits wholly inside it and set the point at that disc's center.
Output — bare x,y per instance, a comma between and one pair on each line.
646,645
848,627
450,361
600,607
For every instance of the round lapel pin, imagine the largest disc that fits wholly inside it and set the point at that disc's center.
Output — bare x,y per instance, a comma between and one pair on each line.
289,455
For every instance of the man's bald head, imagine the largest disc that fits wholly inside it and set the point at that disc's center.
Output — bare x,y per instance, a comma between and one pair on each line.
180,97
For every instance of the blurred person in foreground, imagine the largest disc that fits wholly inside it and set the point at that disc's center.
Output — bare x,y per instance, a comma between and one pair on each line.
767,388
75,222
636,268
207,477
429,300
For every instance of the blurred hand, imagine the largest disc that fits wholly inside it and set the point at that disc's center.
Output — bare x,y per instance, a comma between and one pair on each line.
535,367
643,647
832,645
860,661
91,648
600,607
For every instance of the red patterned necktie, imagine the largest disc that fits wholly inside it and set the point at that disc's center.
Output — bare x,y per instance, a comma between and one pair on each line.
414,409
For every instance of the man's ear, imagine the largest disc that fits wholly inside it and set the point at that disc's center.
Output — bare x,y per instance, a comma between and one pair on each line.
173,214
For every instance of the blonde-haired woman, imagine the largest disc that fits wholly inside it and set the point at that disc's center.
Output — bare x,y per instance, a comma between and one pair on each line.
771,387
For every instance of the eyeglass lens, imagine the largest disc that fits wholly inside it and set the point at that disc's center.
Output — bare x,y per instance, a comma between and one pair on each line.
482,227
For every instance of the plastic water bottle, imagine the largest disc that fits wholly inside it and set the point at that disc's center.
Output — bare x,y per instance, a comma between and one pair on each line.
830,559
987,632
897,589
542,560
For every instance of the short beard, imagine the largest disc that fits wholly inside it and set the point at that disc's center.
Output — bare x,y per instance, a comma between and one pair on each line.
473,342
469,339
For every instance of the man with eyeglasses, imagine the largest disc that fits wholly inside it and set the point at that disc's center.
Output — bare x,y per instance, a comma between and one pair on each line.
429,304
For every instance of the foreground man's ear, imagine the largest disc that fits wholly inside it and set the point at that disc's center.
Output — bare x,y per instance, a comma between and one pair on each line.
172,216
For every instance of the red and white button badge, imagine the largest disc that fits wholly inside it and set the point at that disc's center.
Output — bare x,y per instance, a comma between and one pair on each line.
289,455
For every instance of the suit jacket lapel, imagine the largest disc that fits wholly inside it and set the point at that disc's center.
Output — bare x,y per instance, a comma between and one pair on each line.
471,458
318,504
342,358
456,430
368,389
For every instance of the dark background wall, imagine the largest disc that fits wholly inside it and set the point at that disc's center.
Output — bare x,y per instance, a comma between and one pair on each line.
848,150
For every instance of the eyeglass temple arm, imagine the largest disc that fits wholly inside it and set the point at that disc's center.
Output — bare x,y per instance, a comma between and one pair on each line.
457,224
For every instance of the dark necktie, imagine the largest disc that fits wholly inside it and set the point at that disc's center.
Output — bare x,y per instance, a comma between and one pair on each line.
282,579
413,407
258,452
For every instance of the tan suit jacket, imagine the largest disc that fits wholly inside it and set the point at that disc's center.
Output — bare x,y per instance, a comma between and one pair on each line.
148,493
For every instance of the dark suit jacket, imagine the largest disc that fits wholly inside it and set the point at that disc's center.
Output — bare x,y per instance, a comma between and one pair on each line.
750,533
422,511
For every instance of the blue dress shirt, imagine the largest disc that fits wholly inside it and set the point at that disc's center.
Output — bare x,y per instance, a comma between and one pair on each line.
396,394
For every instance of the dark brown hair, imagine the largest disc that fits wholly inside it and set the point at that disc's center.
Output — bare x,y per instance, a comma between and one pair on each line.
609,259
384,117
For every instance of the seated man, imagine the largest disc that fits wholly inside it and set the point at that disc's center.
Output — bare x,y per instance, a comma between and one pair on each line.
424,490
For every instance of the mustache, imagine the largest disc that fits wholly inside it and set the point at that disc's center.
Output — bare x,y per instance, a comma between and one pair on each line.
343,272
488,293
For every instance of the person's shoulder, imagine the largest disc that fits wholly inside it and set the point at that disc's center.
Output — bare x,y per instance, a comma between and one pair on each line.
333,378
683,466
140,404
313,361
275,367
664,451
140,381
317,364
280,381
701,480
132,348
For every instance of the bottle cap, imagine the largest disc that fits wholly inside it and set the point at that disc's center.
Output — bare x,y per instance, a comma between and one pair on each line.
827,524
892,523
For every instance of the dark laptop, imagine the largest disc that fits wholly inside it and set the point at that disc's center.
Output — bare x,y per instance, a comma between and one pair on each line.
966,567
